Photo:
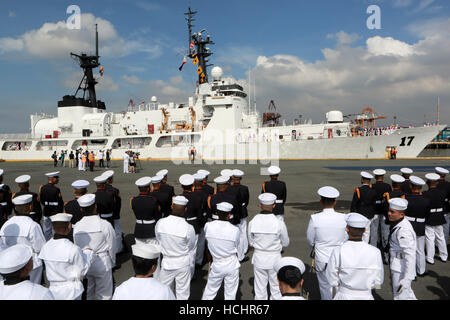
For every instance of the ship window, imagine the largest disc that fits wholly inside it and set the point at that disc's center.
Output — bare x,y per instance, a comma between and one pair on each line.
132,143
16,146
177,140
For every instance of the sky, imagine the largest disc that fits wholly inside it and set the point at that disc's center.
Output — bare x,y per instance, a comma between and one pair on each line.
310,57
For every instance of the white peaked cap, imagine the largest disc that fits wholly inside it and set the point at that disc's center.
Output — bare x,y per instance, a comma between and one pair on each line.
417,181
186,180
267,198
205,172
238,173
357,220
180,200
221,180
398,204
80,184
14,258
379,172
328,192
441,170
289,261
23,179
143,182
163,172
61,217
224,206
366,175
157,179
226,173
147,251
52,174
198,176
20,200
272,170
87,200
1,172
108,173
397,178
406,170
100,179
432,176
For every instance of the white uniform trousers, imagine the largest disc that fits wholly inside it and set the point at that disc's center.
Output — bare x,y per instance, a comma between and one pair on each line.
406,294
420,255
47,229
343,293
243,240
384,236
374,226
36,275
446,226
262,278
201,242
182,279
118,232
125,167
218,273
435,235
100,281
192,256
158,265
326,291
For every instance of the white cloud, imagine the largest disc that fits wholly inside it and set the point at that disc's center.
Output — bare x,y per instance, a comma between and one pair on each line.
9,44
132,79
378,46
344,38
105,83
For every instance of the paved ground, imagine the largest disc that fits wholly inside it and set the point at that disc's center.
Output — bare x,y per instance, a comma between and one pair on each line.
303,178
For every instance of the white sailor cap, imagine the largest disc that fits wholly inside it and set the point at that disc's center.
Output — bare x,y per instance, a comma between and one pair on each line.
61,217
147,251
21,200
238,173
14,258
432,176
289,261
379,172
163,172
100,179
180,200
366,175
357,220
143,182
205,172
406,170
186,180
441,170
397,178
267,198
224,206
226,173
417,181
328,192
399,204
221,180
80,184
87,200
157,179
1,172
108,174
52,174
23,179
273,170
198,176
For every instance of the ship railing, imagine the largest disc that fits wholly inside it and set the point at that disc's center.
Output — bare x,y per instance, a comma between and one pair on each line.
15,136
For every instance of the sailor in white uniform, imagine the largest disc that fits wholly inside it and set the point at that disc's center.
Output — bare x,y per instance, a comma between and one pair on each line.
126,162
290,277
326,231
16,263
267,235
65,263
177,239
143,286
97,234
402,250
22,229
356,267
223,241
80,162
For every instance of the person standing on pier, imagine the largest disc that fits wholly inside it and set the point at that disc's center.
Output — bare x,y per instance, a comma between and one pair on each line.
24,184
406,173
52,201
380,188
445,186
278,188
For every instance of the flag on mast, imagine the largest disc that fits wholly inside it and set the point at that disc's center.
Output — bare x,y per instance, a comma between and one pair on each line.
184,62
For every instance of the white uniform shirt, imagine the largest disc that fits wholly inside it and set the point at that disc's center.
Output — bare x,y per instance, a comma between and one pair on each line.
143,289
97,234
402,249
177,239
355,265
223,239
23,230
268,235
100,156
25,290
65,266
326,231
126,158
292,298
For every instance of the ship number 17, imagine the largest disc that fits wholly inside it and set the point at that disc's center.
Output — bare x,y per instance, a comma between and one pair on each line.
410,140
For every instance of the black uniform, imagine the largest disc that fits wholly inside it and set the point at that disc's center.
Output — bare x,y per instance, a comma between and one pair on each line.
5,206
445,186
105,205
194,213
406,186
37,209
437,211
117,201
208,189
224,197
167,188
204,200
418,208
51,199
363,201
164,202
145,208
243,195
72,207
278,188
381,188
